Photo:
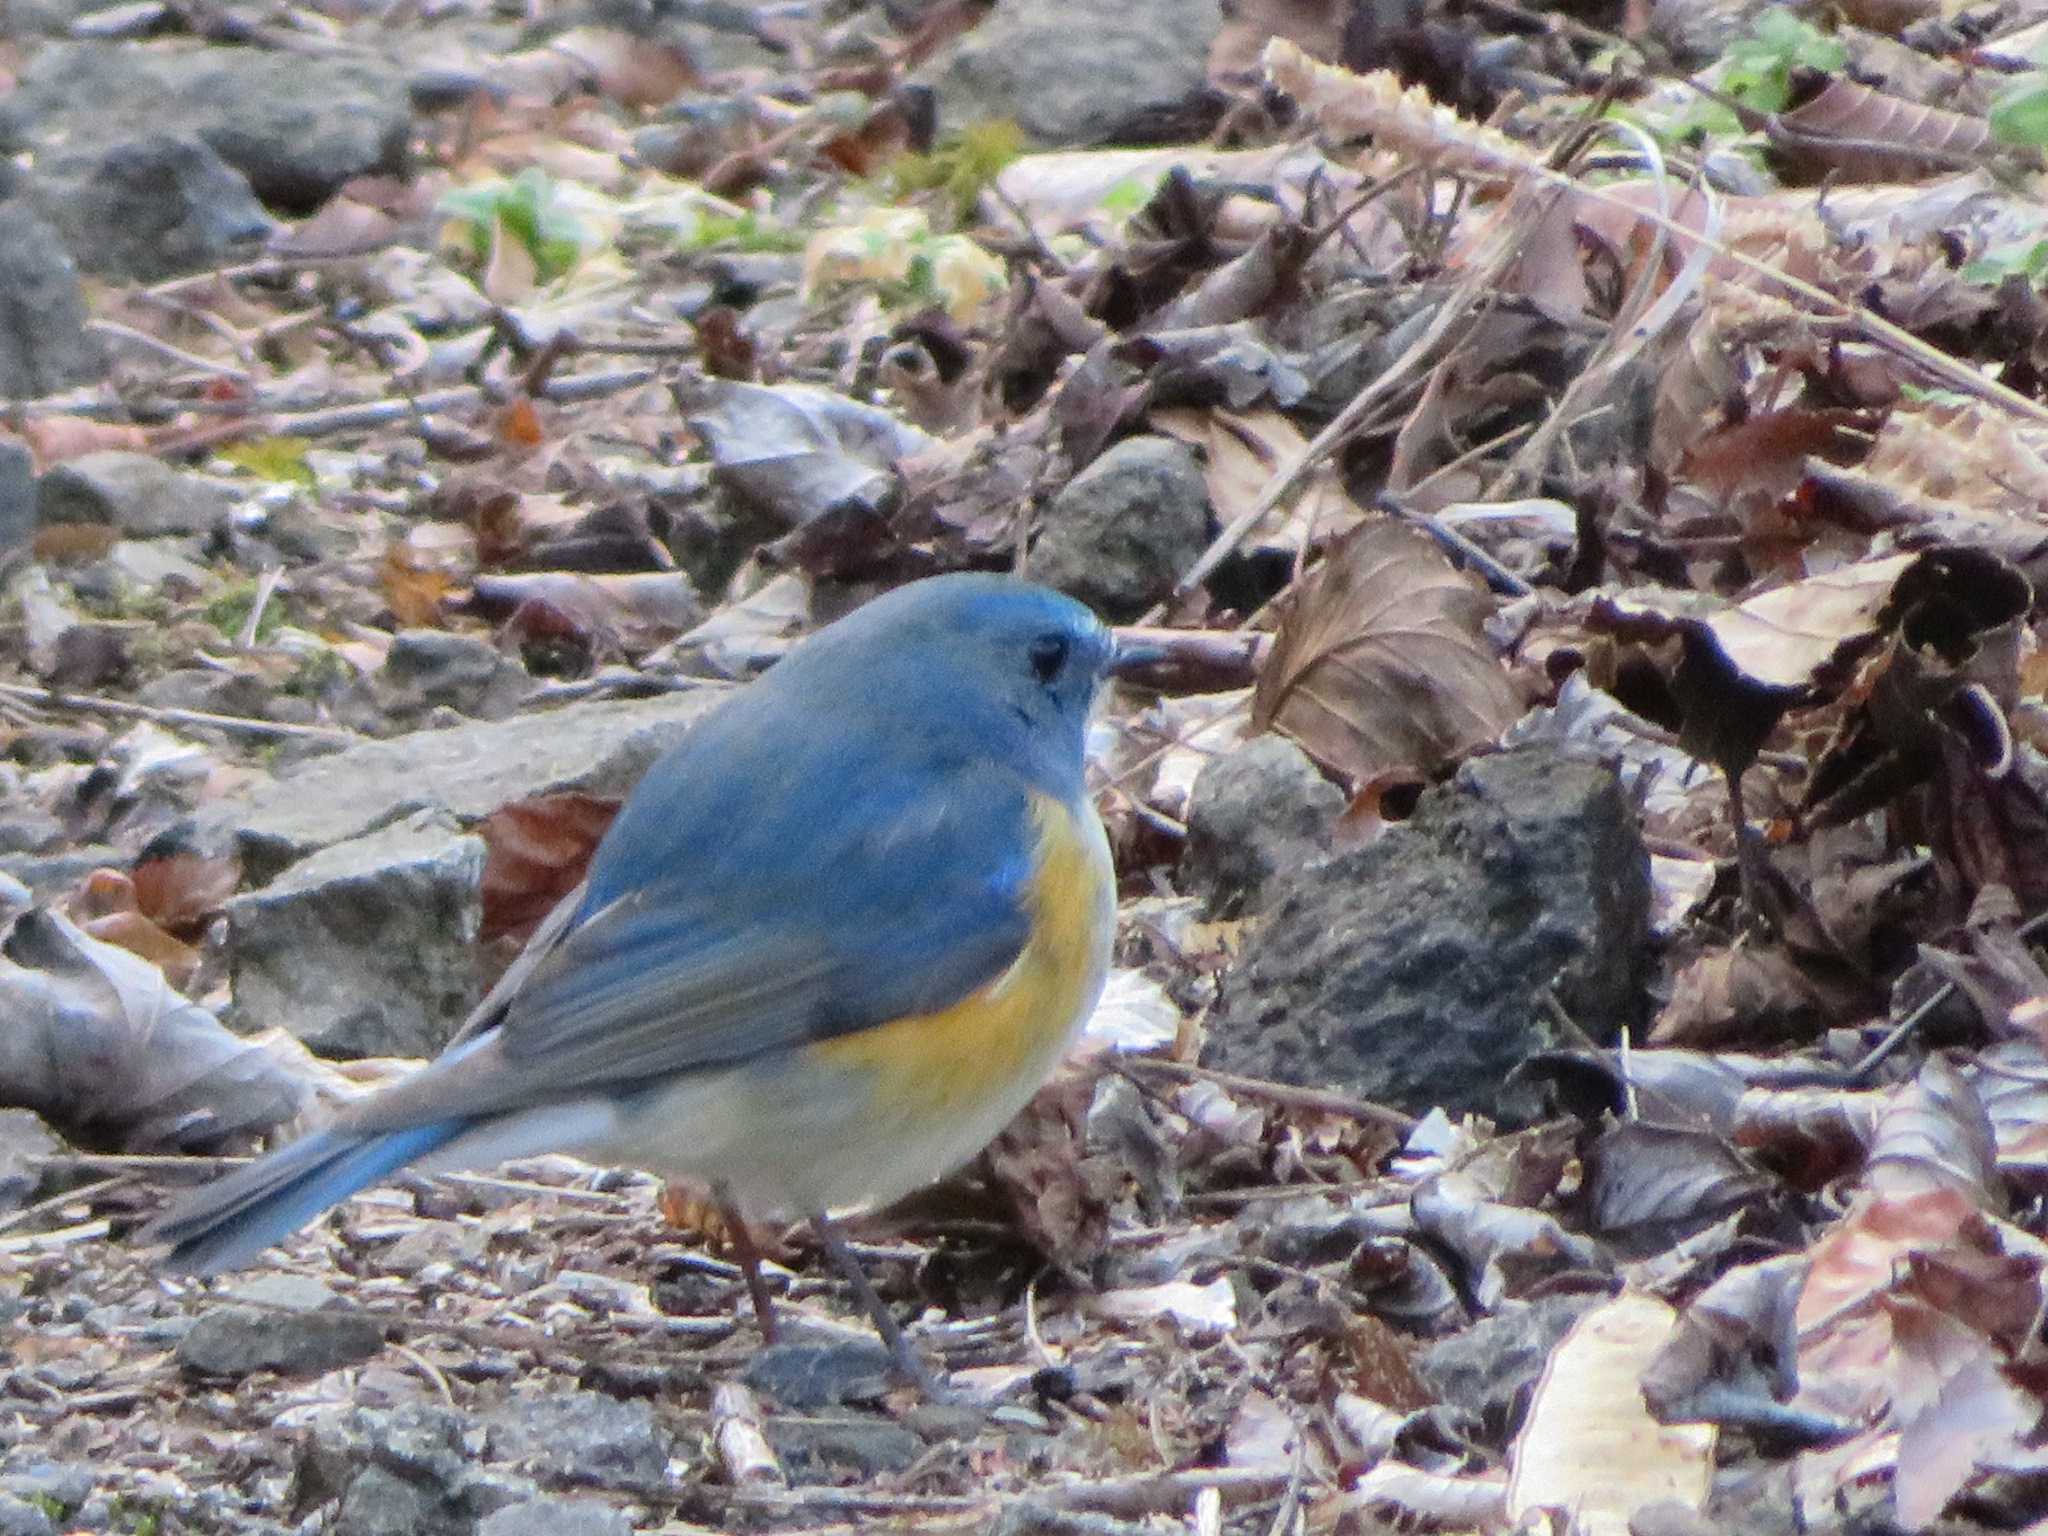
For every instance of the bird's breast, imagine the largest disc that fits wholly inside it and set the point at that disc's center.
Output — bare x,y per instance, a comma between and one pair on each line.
982,1057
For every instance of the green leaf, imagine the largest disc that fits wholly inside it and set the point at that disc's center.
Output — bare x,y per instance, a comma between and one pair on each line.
279,459
2019,114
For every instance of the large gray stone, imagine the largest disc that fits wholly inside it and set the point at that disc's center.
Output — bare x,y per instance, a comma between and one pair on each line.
296,126
44,346
17,489
600,1441
430,668
406,1471
1073,71
467,772
1121,533
556,1517
367,948
291,1327
134,493
149,207
1414,971
1255,812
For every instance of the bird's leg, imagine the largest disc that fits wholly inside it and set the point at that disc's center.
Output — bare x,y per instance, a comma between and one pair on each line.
908,1364
750,1261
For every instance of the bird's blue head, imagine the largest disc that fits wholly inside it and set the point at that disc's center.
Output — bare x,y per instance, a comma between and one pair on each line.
987,665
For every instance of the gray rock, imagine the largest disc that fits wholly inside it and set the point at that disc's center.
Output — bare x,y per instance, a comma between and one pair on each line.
805,1375
601,1441
207,690
67,1484
47,18
149,207
1487,1368
17,487
824,1449
1413,971
366,948
133,492
25,1145
1121,532
466,772
155,566
398,1471
295,125
44,346
1073,71
1255,812
556,1517
50,877
18,1517
426,668
294,1333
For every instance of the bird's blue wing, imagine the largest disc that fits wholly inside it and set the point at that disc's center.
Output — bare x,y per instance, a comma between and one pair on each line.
720,926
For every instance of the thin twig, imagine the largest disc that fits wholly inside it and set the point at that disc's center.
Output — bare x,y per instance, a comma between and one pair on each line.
178,355
1323,1100
50,698
1452,313
1903,1030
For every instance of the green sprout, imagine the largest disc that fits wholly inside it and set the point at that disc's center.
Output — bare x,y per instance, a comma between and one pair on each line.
529,208
742,232
280,459
962,165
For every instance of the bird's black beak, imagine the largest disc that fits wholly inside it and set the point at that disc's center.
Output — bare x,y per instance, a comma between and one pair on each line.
1134,651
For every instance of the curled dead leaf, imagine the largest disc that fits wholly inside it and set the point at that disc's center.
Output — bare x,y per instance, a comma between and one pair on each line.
1381,662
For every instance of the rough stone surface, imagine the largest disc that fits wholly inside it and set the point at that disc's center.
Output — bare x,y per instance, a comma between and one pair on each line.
151,565
556,1517
18,1517
149,207
402,1470
44,346
1121,532
17,493
467,772
1254,813
1073,71
823,1448
804,1374
1487,1367
133,492
366,948
67,1484
295,125
209,691
431,668
292,1332
600,1441
1413,971
24,1144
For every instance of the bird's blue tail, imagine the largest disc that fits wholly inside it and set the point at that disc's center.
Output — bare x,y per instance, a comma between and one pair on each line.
233,1219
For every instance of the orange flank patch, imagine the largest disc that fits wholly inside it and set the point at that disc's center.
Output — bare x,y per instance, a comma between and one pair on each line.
956,1058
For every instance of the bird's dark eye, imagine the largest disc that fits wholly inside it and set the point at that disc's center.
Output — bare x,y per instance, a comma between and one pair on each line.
1048,655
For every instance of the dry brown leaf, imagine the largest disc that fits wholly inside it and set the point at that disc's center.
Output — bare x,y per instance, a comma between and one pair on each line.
1242,451
1589,1445
414,590
538,850
1893,138
1381,662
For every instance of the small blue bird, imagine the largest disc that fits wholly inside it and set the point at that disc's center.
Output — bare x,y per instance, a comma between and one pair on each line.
833,941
